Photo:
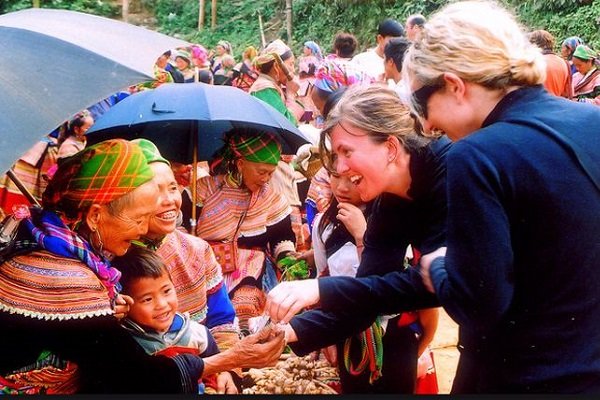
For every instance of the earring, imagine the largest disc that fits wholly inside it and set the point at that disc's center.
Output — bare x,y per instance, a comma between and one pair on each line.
100,245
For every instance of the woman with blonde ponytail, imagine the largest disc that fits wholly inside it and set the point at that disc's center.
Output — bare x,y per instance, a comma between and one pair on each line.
520,272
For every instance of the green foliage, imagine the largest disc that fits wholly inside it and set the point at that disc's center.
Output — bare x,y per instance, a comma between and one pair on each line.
97,7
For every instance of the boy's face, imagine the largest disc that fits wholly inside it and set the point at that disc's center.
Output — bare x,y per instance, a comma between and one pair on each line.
155,302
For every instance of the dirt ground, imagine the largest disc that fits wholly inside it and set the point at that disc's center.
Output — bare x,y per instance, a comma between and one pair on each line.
445,353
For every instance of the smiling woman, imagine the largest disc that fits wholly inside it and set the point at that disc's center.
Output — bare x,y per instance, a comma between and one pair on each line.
59,294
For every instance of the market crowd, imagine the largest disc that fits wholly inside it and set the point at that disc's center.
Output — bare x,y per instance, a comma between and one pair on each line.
453,165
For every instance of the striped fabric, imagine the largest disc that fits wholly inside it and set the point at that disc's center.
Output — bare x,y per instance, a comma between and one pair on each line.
45,286
319,191
98,175
194,271
223,206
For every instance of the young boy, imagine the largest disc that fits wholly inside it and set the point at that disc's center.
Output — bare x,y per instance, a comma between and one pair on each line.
153,319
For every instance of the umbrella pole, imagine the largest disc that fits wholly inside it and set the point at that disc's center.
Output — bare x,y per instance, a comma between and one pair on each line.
194,179
22,188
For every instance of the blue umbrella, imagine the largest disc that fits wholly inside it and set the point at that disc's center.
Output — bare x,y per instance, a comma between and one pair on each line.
181,117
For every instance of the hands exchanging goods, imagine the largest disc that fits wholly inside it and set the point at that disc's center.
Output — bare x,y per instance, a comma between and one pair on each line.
289,298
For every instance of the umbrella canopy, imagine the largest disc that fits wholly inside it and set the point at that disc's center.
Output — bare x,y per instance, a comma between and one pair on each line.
176,117
55,63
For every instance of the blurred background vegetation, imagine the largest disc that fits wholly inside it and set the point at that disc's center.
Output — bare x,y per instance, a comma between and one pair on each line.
238,20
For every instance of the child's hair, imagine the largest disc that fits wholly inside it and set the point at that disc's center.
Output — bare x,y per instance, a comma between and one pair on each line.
139,262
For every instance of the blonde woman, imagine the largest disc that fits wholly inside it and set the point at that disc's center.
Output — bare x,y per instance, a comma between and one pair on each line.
520,274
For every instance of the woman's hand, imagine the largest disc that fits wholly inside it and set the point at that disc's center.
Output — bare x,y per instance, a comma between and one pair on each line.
353,219
225,384
261,349
122,304
288,298
425,264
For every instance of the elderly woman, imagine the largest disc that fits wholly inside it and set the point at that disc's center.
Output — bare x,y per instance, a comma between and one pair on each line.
246,222
520,272
194,270
586,81
275,84
59,294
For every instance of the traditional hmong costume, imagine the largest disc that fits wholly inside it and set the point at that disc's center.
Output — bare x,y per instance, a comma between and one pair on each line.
586,87
31,169
261,220
265,87
56,293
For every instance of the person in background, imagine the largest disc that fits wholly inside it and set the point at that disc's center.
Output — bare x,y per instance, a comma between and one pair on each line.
310,59
558,75
415,24
222,48
276,84
586,81
394,55
371,60
224,75
183,60
344,47
72,138
568,48
244,74
32,169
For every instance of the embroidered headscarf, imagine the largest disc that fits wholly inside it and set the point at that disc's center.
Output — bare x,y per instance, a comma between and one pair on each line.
150,151
331,75
585,53
571,43
314,47
98,174
249,144
275,49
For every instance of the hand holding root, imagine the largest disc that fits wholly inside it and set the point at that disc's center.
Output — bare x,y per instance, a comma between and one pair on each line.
288,298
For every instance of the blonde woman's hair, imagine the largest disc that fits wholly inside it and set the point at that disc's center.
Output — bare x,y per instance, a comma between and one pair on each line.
478,41
377,110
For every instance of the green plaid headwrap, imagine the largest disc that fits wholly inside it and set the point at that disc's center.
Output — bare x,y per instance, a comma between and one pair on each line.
150,151
98,174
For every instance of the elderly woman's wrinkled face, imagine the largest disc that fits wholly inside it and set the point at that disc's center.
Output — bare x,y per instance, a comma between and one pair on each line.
131,223
164,220
255,175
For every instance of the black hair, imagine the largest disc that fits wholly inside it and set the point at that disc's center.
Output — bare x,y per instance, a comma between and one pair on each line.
344,44
395,49
68,128
205,76
390,27
417,20
139,262
332,99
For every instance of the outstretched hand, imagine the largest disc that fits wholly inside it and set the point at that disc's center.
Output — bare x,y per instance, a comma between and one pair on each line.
261,349
289,298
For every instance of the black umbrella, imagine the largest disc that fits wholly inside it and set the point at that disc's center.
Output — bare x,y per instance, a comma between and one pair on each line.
187,121
55,63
